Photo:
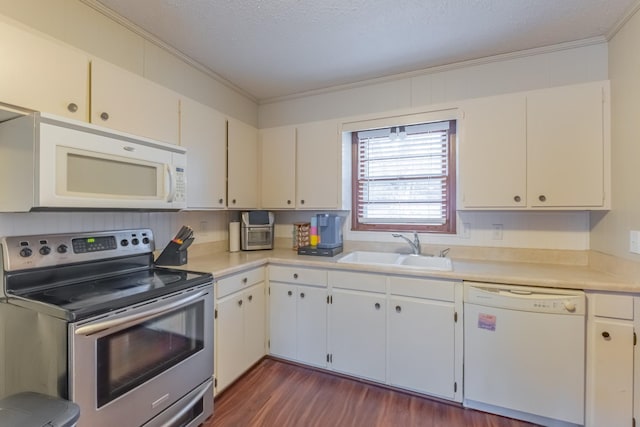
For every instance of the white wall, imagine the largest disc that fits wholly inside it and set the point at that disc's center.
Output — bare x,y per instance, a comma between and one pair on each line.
610,233
555,66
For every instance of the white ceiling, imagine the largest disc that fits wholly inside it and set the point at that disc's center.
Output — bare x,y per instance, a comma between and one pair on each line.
275,48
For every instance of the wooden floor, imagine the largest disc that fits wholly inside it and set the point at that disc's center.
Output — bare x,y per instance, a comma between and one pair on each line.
279,394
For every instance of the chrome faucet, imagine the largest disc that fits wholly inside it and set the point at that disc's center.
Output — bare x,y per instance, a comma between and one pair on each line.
415,245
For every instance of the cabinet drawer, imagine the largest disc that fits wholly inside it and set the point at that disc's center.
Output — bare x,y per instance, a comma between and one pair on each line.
236,282
613,306
297,275
443,290
358,281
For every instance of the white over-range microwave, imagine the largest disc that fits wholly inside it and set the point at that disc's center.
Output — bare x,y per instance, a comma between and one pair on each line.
47,162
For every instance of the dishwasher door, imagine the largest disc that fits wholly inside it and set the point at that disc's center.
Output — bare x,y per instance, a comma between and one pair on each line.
524,353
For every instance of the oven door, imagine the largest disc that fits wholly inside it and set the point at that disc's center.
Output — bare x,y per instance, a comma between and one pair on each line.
127,368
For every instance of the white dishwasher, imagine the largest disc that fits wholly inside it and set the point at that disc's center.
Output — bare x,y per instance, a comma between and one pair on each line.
524,352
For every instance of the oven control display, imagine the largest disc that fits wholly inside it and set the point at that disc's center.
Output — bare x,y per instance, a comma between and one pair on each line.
94,244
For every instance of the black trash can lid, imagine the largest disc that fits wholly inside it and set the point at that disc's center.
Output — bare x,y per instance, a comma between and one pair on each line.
31,409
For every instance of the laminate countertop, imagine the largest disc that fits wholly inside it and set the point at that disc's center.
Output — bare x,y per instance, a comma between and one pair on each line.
515,273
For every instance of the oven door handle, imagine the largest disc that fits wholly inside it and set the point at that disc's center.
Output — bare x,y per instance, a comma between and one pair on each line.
93,328
187,407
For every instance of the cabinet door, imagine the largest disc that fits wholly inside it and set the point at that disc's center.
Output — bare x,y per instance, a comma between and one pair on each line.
230,340
611,398
565,131
421,343
282,317
312,326
493,153
242,174
43,75
278,167
127,102
318,166
254,323
203,134
357,334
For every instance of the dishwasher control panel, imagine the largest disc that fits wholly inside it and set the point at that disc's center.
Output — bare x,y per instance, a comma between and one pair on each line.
525,298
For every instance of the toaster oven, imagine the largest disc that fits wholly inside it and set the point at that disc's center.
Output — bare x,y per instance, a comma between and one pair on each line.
256,230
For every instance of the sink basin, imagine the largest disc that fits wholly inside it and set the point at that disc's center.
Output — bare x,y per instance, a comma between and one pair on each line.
364,257
398,260
430,262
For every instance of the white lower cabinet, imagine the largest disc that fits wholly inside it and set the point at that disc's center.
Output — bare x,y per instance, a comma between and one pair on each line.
240,325
424,333
357,334
610,360
298,314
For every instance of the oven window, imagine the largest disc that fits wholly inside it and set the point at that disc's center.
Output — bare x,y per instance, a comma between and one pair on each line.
133,356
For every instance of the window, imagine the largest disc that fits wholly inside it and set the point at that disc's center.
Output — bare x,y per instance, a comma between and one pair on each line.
404,178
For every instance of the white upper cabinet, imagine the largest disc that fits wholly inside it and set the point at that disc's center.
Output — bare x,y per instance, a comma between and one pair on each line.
565,145
203,132
493,152
544,149
127,102
43,75
300,166
278,167
242,172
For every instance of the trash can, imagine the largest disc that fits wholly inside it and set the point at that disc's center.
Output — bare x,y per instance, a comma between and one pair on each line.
31,409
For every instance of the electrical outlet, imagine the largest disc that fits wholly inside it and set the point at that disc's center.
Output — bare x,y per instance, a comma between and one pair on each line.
634,242
497,232
466,230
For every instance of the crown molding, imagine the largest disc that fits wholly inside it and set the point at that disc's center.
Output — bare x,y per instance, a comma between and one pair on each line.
622,22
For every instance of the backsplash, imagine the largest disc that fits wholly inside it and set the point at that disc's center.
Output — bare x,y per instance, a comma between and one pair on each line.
208,226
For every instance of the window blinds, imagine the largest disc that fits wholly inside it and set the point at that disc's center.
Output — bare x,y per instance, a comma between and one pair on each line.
402,174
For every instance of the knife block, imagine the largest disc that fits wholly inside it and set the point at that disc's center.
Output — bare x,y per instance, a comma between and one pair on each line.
172,255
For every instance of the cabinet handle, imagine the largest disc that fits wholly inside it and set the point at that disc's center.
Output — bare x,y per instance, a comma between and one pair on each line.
250,298
295,275
542,198
398,309
220,201
377,306
302,295
240,303
104,116
289,293
517,198
72,107
606,335
288,202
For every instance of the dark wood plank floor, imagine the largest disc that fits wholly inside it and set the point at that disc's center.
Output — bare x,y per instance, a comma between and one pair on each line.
279,394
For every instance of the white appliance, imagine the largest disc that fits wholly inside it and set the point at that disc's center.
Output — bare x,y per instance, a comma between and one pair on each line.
524,354
47,162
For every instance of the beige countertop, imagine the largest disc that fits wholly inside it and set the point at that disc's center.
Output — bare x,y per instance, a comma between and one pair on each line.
517,273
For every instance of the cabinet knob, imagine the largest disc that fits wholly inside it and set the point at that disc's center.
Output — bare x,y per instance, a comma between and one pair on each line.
542,198
302,295
239,302
517,198
606,335
398,309
72,107
104,116
250,298
221,201
377,306
288,202
295,275
302,202
244,280
233,201
289,293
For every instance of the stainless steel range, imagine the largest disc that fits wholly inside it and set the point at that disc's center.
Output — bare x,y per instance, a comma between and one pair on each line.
88,317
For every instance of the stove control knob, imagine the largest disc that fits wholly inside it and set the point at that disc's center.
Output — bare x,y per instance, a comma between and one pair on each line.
124,242
145,240
25,252
570,306
135,241
62,249
45,250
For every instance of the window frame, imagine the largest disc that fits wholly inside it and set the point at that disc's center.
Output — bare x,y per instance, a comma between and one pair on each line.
449,227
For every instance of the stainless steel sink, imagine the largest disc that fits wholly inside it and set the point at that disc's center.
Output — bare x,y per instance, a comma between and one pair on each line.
398,260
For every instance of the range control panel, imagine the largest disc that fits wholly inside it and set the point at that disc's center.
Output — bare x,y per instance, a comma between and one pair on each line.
35,251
